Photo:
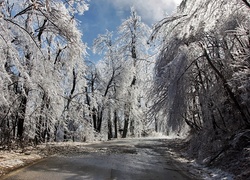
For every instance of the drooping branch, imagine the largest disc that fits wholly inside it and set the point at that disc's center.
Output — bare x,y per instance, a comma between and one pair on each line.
8,20
226,86
161,24
246,3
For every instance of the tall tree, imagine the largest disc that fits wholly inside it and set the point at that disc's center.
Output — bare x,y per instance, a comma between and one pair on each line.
132,40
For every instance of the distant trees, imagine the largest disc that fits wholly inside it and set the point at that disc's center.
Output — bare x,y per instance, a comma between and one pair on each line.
110,71
122,75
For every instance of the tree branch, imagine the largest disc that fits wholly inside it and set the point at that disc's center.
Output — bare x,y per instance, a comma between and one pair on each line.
227,87
8,20
246,3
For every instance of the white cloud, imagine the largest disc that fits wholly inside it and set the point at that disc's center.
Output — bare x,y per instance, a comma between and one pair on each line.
150,10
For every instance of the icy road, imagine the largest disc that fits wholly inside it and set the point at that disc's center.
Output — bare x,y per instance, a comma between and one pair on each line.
135,159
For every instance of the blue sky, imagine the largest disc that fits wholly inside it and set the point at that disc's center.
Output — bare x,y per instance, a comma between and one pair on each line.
108,14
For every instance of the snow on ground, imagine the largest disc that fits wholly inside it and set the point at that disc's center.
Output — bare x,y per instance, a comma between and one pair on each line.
192,166
158,135
10,160
200,170
11,163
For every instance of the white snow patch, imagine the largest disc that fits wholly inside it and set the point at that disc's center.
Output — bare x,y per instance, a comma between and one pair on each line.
15,159
11,163
159,135
71,143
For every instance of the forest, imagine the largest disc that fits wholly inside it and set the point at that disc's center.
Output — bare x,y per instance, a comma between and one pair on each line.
188,75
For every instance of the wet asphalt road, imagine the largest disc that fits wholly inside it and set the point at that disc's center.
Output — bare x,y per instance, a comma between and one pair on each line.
141,159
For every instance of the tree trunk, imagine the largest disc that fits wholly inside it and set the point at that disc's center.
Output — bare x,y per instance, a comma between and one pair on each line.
110,134
94,117
132,127
126,123
99,123
21,116
115,124
65,136
156,125
72,90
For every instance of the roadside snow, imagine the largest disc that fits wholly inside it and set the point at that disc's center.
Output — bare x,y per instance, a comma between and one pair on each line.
10,160
198,169
11,163
159,135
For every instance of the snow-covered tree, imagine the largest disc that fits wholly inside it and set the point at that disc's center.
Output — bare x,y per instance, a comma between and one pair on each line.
124,75
40,47
132,43
201,73
110,69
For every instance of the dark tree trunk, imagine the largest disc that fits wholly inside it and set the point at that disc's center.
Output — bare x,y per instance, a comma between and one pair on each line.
65,135
47,126
55,132
115,124
21,116
99,123
110,134
94,118
20,128
132,127
156,125
14,124
126,123
72,90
